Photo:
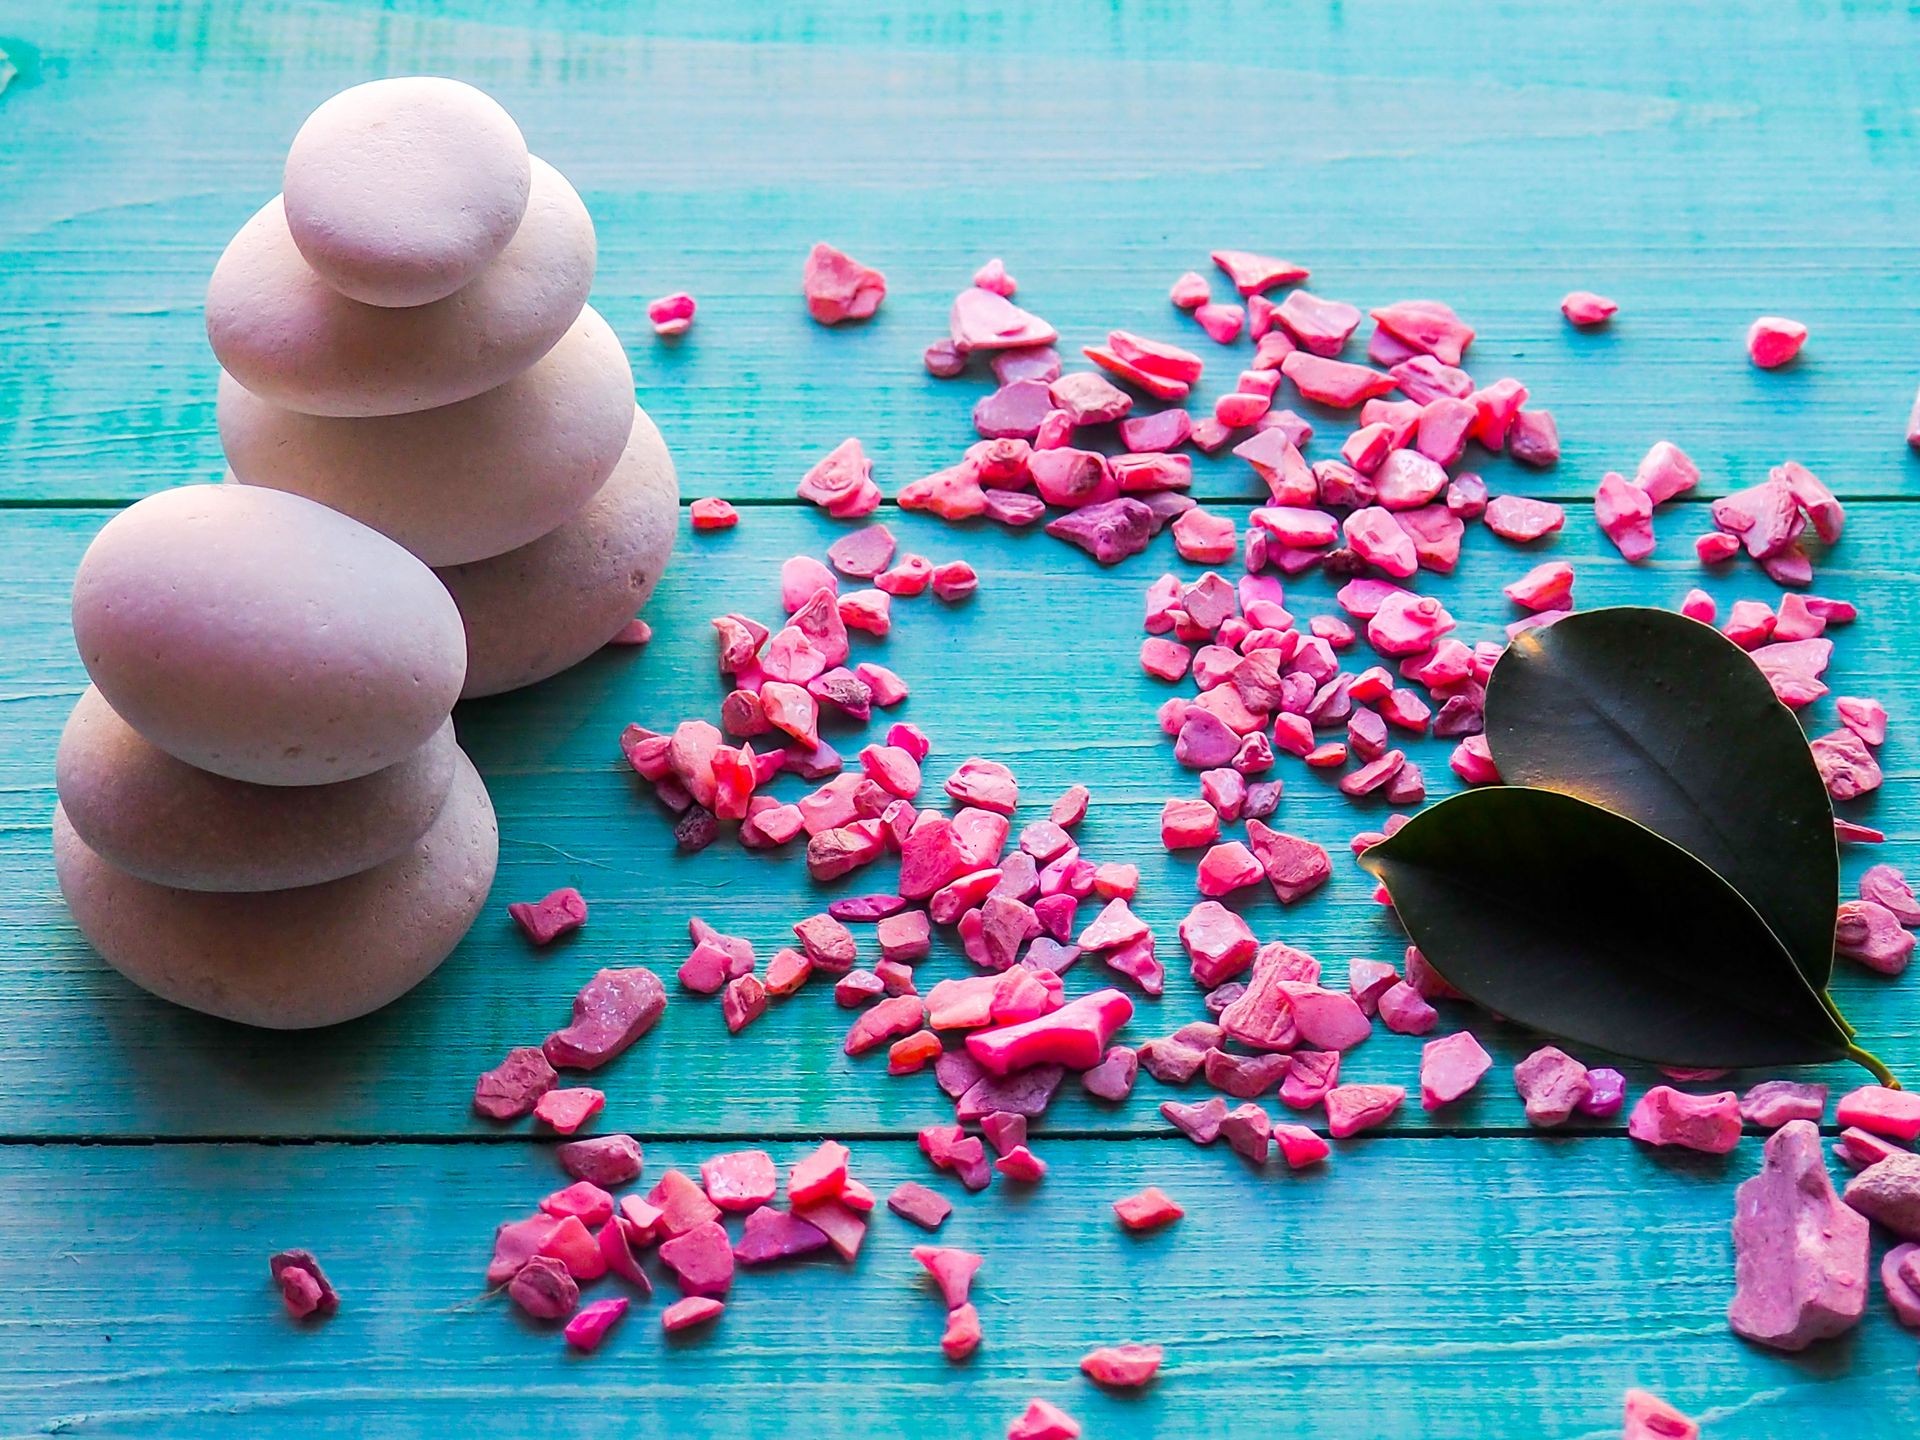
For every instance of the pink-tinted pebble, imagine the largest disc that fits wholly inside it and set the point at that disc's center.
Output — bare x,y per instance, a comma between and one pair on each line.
1586,309
511,1088
1125,1367
1450,1067
694,1310
839,288
543,921
1650,1418
589,1327
1520,519
712,513
1665,1116
1354,1108
1773,340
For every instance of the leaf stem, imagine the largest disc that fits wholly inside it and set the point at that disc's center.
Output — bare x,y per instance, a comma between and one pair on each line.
1826,999
1871,1063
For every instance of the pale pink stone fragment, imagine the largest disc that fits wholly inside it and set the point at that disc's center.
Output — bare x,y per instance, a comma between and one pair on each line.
1189,291
1772,1103
1317,325
1335,383
1552,1084
1534,439
543,921
1794,668
1376,538
1625,513
1773,340
983,320
1586,309
1353,1108
1548,586
1223,323
1800,1255
1698,605
1871,934
1218,941
613,1010
1408,624
840,288
1900,1278
1665,1116
1650,1418
1887,1192
1846,764
1520,519
691,1311
1766,517
1450,1067
1123,1367
1294,867
1665,471
1223,869
1426,326
1299,1146
1888,887
1405,1012
1252,273
1716,547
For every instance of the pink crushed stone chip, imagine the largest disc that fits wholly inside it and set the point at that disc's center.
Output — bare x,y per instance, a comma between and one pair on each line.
613,1010
511,1088
589,1327
1088,399
1043,1420
1334,383
1022,1166
1887,887
914,1202
1299,1146
1651,1418
671,314
1248,1131
1520,519
1900,1278
1552,1084
993,276
1698,605
1450,1067
304,1287
740,1180
1251,274
1189,290
605,1160
983,320
1894,1114
1310,1076
1585,309
951,1269
1426,326
1772,1103
1126,1367
1625,513
1548,586
1199,1123
839,288
567,1110
1223,869
543,1289
701,1260
1846,765
1887,1192
1801,1256
862,553
694,1310
890,1019
1665,1116
584,1200
1353,1108
1865,718
771,1235
543,921
1772,341
710,512
1405,1012
1666,471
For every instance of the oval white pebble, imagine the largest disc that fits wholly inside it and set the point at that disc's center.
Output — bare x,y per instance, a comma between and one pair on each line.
289,337
293,959
400,191
535,611
264,637
166,821
460,482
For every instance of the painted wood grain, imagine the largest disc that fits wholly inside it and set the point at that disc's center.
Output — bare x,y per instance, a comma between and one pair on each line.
1451,1288
1037,670
1702,164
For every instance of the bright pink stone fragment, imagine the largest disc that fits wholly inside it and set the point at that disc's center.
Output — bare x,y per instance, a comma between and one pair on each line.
1665,1116
982,320
1125,1367
1299,1146
304,1287
612,1010
1552,1084
510,1089
962,1336
1651,1418
771,1235
694,1310
1666,471
1585,309
701,1260
1205,538
1865,718
567,1110
544,1289
1218,941
993,276
712,513
1801,1255
1251,274
1222,323
584,1200
543,921
1224,869
1698,605
1888,887
1334,382
671,314
1076,1035
840,288
1189,291
1548,586
740,1180
1846,764
587,1329
1888,1193
1426,326
1353,1108
1450,1067
892,1018
1378,539
952,1270
1043,1420
1625,513
1773,340
1892,1113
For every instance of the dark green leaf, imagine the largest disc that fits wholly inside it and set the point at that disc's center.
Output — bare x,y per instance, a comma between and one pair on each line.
1580,923
1668,722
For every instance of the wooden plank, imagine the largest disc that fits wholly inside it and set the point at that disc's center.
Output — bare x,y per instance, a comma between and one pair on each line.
1449,1288
1037,670
1100,155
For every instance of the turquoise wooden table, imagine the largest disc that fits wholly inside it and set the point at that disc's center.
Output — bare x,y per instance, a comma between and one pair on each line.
1462,1278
